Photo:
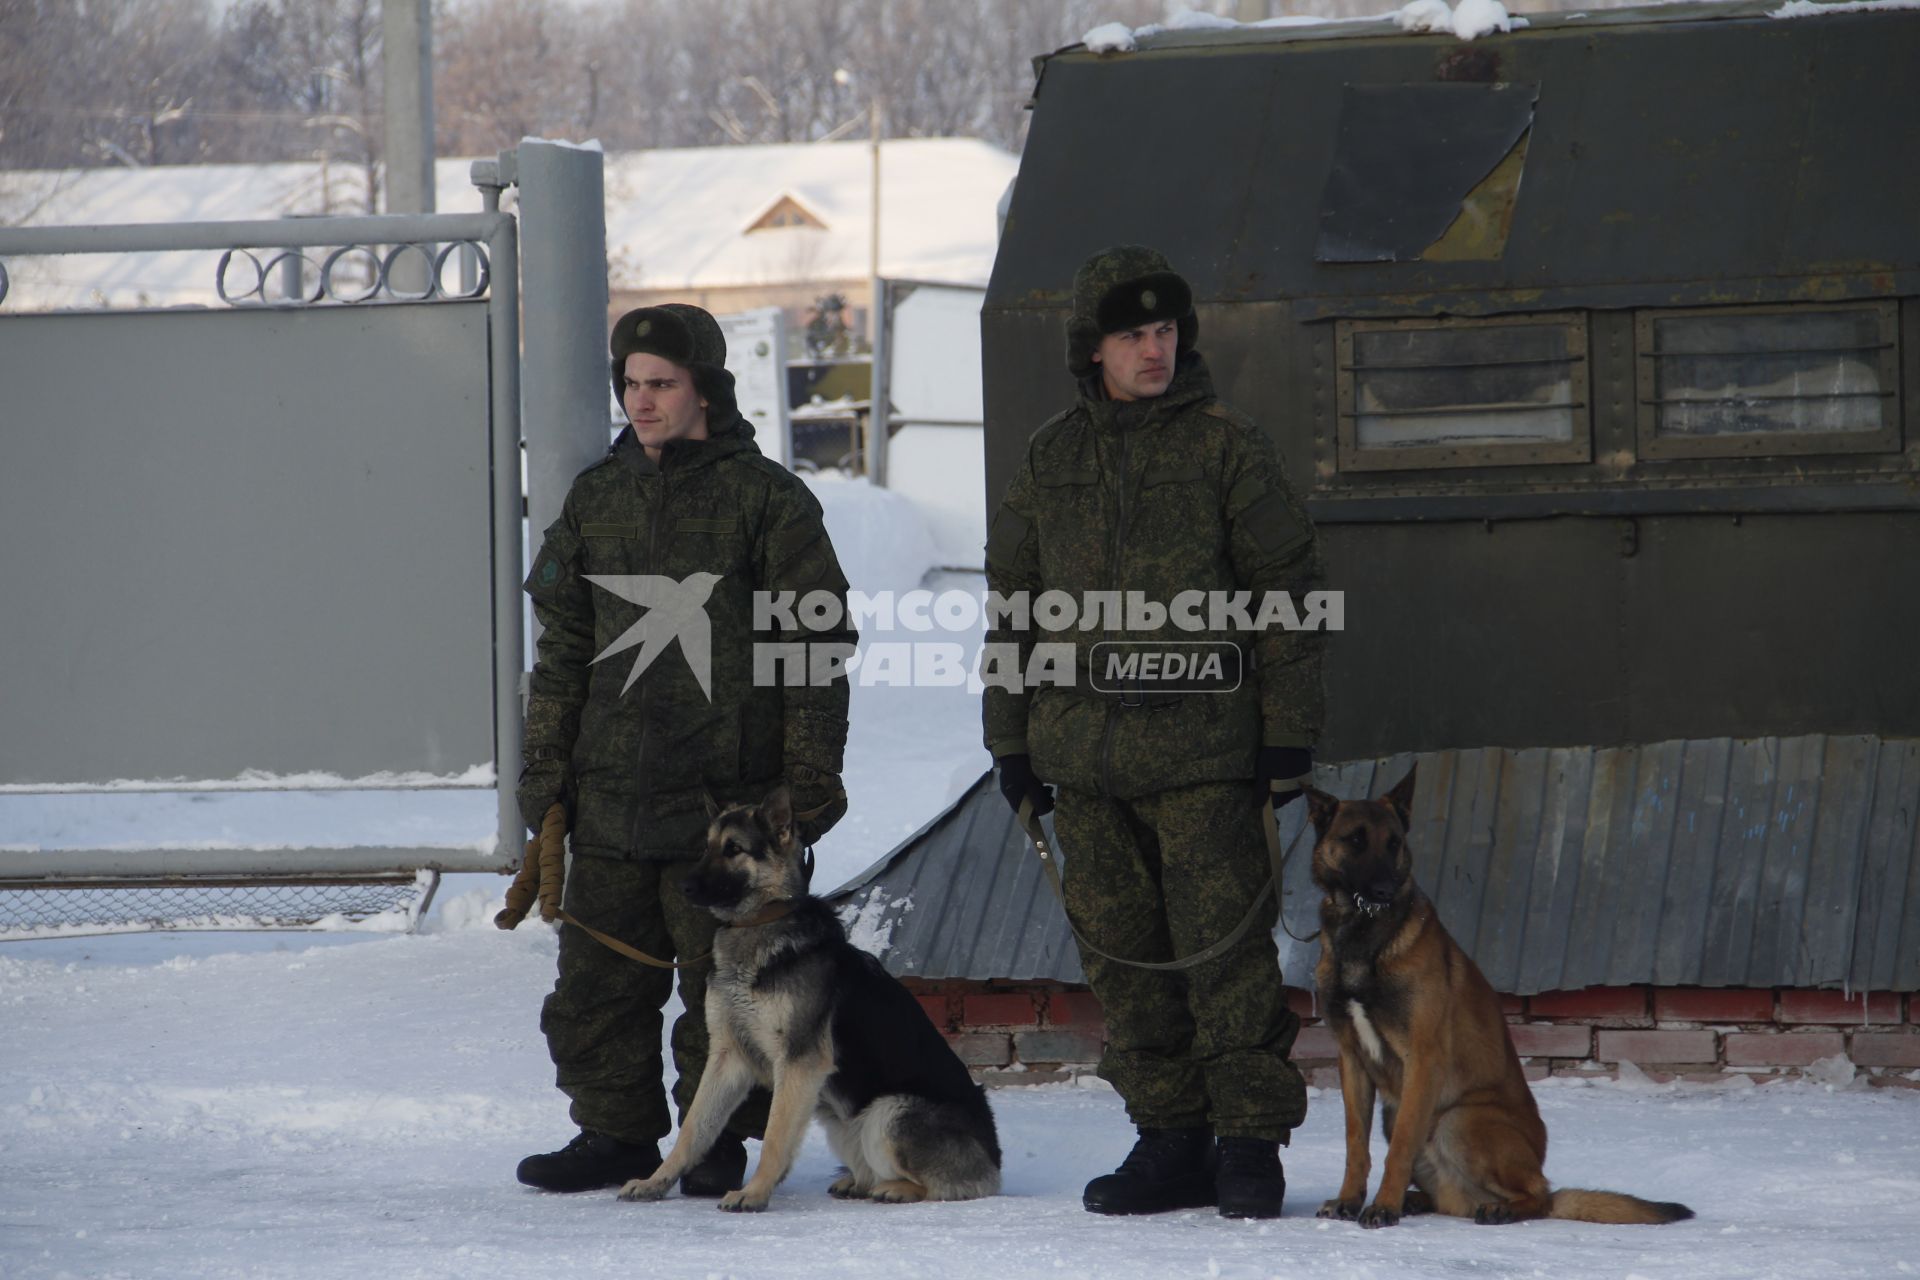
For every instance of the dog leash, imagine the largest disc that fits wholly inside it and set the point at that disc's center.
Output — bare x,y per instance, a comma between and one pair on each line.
766,915
1270,826
1275,854
631,952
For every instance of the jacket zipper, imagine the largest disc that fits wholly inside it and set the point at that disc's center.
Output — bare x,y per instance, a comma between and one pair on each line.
1118,579
645,792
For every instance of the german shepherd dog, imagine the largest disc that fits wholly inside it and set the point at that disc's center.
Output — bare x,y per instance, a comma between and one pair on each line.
793,1006
1418,1024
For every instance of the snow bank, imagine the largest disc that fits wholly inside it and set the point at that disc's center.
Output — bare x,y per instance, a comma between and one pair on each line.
473,908
880,536
477,776
1809,9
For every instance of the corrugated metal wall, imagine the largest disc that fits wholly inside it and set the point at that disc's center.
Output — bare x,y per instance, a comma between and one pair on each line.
1766,862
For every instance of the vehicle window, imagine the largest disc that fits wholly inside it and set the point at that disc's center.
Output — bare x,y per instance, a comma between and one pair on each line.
1807,380
1463,392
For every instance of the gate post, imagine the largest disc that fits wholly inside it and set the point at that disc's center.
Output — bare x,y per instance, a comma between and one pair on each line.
563,372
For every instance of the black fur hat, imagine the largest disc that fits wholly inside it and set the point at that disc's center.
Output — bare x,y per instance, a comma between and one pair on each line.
685,335
1121,288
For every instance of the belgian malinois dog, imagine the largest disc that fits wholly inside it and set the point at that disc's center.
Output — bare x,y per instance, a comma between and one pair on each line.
795,1007
1420,1026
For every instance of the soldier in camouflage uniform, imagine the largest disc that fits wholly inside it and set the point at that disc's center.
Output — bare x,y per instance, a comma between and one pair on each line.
638,733
1150,484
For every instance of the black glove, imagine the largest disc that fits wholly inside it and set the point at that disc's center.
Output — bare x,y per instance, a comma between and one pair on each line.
819,801
543,784
1017,783
1280,764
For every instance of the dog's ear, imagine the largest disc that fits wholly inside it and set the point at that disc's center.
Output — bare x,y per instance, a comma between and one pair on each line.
713,806
1401,797
1320,807
777,812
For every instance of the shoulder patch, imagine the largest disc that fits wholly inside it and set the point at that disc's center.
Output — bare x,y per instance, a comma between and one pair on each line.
550,576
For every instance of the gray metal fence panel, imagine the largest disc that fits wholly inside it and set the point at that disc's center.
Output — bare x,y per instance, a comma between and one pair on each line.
250,539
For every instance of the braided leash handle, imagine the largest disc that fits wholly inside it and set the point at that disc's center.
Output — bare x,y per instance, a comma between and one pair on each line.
542,875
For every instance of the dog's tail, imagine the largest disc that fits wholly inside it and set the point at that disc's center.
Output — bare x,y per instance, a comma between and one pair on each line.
1614,1207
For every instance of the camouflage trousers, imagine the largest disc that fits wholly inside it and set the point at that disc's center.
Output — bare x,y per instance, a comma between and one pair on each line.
602,1020
1162,876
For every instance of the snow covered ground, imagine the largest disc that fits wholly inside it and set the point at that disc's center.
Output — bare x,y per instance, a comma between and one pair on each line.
353,1103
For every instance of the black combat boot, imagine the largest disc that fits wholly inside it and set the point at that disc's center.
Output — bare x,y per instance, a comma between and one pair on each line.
1249,1178
591,1161
1167,1169
721,1170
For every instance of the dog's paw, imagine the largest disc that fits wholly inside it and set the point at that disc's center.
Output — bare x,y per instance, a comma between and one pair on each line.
1378,1215
744,1201
899,1191
646,1189
846,1187
1493,1214
1345,1210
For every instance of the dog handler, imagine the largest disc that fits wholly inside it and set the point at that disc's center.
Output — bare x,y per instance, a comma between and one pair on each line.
1150,485
635,741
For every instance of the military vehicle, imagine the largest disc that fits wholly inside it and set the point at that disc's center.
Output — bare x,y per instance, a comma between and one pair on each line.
1594,350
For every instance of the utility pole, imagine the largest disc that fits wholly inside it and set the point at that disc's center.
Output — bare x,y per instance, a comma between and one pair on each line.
408,63
873,235
879,389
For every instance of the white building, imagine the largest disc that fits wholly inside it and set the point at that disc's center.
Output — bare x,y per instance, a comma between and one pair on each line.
730,228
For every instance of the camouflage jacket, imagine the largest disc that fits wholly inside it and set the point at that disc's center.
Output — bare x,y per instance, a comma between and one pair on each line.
643,761
1175,494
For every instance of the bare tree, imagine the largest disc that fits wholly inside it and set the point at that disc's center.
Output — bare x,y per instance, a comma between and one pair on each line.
98,83
506,69
91,82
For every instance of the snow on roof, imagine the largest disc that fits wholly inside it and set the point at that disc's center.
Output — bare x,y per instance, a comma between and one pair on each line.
676,219
1808,9
1466,19
681,215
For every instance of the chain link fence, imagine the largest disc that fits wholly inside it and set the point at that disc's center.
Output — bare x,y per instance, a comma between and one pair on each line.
124,906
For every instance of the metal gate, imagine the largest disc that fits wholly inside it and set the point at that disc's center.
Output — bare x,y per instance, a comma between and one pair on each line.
276,545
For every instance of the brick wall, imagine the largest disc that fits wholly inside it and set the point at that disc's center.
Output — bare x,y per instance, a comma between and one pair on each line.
1023,1033
1016,1033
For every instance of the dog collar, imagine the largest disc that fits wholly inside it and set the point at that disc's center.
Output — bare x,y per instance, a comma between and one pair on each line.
765,915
